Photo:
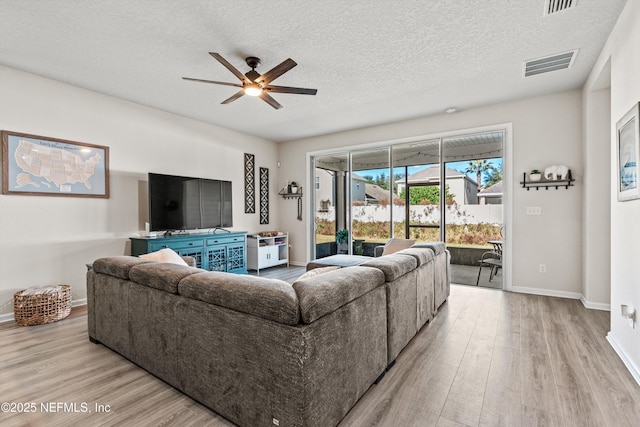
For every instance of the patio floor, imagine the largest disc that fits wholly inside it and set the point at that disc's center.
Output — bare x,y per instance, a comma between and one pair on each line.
468,274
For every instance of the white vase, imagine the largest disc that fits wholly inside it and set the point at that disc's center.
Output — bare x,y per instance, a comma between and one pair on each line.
535,177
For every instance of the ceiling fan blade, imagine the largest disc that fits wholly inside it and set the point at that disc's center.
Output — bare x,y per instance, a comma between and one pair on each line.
233,98
230,67
269,100
211,81
276,71
286,89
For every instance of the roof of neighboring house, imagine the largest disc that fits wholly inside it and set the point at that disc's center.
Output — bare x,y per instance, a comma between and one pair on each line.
357,177
376,192
492,190
433,173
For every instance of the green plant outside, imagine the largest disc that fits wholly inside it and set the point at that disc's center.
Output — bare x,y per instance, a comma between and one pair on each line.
342,236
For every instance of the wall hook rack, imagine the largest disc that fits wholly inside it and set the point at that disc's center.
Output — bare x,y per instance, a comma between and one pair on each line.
296,195
287,195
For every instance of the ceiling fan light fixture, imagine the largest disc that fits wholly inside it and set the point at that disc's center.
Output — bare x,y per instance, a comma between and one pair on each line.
257,85
253,89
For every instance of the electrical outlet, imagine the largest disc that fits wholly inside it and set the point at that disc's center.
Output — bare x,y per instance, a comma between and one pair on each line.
534,210
542,268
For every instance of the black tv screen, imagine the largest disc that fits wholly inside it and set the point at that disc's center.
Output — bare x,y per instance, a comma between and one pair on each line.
184,203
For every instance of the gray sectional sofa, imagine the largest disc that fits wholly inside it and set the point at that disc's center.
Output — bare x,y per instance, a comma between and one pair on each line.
261,351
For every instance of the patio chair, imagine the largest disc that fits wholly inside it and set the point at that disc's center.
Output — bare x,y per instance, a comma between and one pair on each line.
491,259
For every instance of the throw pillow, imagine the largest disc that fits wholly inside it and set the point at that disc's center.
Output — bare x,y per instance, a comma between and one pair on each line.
164,255
395,245
317,271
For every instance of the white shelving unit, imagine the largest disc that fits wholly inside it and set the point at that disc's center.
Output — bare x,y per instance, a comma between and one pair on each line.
265,252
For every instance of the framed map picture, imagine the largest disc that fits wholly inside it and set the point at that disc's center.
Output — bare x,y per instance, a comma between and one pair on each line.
41,166
628,145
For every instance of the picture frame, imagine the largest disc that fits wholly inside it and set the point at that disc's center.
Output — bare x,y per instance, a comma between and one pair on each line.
34,165
628,151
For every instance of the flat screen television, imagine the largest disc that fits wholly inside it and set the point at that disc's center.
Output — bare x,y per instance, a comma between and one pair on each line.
184,203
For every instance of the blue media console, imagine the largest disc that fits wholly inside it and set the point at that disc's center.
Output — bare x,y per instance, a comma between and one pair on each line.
214,252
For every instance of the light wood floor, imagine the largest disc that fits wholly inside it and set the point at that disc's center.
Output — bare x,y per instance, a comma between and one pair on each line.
489,358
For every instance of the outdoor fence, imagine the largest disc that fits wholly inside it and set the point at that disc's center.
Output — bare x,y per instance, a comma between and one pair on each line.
423,214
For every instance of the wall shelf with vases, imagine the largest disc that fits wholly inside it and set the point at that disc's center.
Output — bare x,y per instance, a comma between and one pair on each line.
288,195
547,183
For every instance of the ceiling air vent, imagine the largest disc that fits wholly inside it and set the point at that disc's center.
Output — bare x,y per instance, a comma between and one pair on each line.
555,6
559,61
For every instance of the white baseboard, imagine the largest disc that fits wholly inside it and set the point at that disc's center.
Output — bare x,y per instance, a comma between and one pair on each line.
633,369
546,292
563,294
298,263
78,302
8,317
595,305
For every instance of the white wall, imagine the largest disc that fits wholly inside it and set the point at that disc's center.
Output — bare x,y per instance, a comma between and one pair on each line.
48,240
622,52
546,130
597,193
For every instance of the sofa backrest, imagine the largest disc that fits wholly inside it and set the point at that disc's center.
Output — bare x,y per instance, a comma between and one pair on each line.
307,300
117,266
323,294
393,266
266,298
423,255
436,247
162,276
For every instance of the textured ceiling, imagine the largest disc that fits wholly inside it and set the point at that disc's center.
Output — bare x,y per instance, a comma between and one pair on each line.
372,61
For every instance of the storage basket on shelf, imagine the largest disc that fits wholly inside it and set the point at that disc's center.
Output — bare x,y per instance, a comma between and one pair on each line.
37,306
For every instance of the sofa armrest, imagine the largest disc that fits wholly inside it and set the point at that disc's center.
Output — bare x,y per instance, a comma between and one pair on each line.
378,250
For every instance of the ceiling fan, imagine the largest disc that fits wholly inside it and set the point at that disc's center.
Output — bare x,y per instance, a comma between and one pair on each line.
256,84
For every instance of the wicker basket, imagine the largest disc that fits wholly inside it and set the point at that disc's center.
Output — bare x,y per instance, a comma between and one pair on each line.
37,306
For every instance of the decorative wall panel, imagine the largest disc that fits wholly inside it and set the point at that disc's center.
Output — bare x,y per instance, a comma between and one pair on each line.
264,196
249,183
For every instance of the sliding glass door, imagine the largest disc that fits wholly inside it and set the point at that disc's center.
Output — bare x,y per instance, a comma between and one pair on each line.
473,205
441,189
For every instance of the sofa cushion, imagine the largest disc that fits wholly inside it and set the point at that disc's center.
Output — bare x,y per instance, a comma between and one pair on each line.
167,255
422,255
393,266
436,247
117,266
338,260
266,298
163,276
317,271
325,293
395,245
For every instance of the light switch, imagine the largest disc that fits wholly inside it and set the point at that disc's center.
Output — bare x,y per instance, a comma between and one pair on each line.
534,210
